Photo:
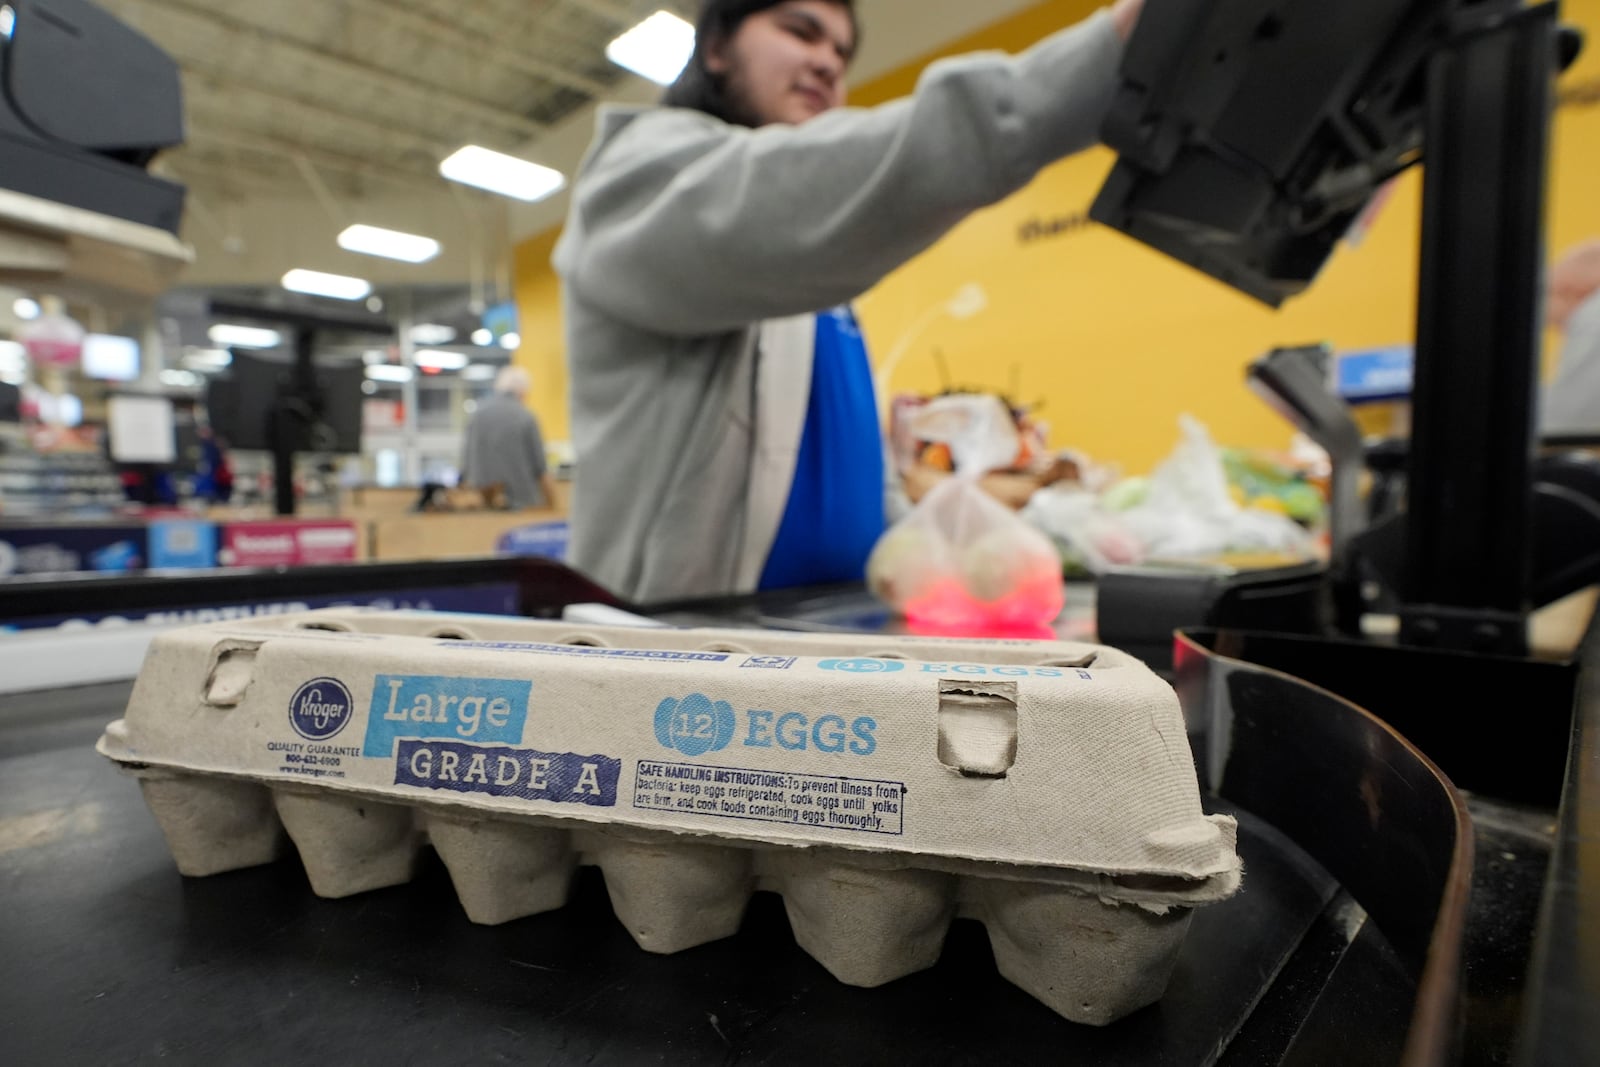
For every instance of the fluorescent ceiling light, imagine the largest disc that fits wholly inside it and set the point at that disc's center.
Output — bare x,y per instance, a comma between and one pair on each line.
511,342
432,333
181,379
497,172
658,48
387,373
208,358
390,244
439,360
480,372
335,286
483,338
26,308
13,359
243,336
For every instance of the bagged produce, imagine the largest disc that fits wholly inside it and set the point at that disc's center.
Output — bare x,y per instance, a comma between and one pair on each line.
961,557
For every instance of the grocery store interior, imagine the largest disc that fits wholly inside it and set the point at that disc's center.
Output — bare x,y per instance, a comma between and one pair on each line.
1140,463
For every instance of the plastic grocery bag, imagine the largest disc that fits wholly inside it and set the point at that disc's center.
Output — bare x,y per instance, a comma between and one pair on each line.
961,557
1084,530
1185,510
1188,511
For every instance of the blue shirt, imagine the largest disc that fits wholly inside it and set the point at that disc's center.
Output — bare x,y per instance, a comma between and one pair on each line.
835,512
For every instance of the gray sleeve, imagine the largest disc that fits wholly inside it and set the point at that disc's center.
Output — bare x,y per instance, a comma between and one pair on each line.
686,225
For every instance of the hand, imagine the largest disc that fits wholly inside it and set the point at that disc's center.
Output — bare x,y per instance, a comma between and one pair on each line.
1126,14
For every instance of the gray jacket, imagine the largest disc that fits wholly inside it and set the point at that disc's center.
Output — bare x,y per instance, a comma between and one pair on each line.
504,448
696,255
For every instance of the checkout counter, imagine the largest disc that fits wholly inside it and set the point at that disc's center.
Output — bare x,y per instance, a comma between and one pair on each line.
1417,820
1387,915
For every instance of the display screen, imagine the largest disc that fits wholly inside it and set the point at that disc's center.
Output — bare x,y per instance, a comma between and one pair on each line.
110,357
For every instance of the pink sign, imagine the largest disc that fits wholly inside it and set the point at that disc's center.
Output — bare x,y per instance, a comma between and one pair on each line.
288,543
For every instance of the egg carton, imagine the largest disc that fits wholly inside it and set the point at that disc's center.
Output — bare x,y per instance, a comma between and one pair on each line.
883,786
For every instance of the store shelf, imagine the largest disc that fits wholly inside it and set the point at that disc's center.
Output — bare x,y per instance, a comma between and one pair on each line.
34,485
73,251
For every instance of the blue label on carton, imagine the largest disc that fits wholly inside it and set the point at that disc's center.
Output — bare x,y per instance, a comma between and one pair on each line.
863,666
320,709
555,777
428,706
653,655
695,725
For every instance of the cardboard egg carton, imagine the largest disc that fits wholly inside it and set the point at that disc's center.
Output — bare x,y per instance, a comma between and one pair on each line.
882,785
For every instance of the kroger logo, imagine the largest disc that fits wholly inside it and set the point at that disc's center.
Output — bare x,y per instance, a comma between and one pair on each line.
695,725
320,709
863,666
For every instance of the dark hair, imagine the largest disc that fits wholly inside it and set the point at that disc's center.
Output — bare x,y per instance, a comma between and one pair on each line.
697,87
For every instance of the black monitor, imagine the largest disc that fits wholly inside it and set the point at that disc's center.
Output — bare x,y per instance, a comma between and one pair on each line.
1253,133
243,404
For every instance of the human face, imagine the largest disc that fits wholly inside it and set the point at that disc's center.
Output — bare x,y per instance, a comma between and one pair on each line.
786,64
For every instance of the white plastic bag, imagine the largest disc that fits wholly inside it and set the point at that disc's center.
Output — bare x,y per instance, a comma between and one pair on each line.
1184,510
1189,513
1083,528
961,557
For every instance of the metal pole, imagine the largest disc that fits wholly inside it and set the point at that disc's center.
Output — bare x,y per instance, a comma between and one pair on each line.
1468,537
410,448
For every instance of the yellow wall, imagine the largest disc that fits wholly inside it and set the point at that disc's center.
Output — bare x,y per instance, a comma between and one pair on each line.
543,350
1114,339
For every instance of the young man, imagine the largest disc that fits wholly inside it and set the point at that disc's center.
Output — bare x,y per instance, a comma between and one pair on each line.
722,404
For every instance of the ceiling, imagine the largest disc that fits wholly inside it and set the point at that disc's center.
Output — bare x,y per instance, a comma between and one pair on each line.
307,115
372,93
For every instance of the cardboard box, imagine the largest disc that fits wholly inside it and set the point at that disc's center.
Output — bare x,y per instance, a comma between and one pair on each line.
882,785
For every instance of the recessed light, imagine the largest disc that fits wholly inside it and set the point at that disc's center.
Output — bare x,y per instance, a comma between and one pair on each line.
389,244
484,168
244,336
657,48
334,286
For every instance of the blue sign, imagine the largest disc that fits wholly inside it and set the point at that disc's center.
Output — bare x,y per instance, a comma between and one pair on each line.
1376,374
183,543
556,777
501,319
320,709
65,549
545,540
472,709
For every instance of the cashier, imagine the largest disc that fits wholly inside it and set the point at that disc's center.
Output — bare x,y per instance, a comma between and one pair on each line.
722,401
